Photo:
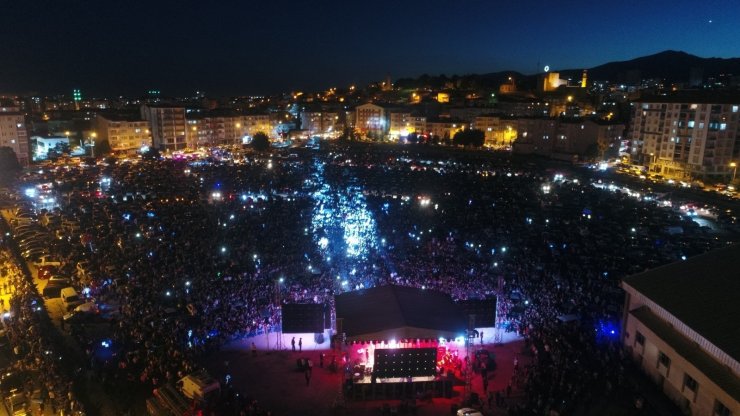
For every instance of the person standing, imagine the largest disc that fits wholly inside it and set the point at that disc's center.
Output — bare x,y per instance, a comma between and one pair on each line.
292,343
300,344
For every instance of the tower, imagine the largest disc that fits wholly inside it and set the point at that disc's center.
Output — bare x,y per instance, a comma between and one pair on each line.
77,97
584,79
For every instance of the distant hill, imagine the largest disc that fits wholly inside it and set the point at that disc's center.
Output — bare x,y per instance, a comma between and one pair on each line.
672,66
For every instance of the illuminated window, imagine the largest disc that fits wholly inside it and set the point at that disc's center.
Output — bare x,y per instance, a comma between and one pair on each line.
734,108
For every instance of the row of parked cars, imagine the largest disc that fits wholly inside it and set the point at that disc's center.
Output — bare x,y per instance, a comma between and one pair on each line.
34,235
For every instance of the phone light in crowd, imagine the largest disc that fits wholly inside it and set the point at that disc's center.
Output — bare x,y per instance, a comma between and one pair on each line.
187,283
281,280
223,249
168,293
105,343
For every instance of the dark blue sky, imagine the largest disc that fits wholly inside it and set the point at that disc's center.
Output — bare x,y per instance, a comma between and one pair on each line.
110,47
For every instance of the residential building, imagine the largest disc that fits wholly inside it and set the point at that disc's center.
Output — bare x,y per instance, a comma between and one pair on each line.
372,119
588,138
254,123
444,129
404,123
213,130
13,134
125,133
680,324
167,125
687,137
568,139
320,123
535,135
499,131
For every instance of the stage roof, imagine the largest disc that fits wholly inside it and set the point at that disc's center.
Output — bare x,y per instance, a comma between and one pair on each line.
701,292
397,312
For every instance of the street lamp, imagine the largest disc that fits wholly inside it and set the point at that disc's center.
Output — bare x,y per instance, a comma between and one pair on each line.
733,165
91,143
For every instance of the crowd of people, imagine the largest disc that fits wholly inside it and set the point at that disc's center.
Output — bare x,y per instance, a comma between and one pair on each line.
197,253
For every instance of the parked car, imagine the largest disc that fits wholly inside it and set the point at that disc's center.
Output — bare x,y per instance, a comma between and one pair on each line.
17,404
47,261
46,272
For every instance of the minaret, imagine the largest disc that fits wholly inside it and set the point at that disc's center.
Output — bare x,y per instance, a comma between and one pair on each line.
584,78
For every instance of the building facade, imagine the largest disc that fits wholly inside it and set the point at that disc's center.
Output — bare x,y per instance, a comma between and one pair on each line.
568,139
320,123
372,120
680,326
500,132
124,134
683,139
404,123
13,134
167,125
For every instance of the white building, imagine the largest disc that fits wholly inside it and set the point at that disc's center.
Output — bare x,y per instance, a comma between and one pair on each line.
681,323
13,134
686,137
45,144
167,126
123,133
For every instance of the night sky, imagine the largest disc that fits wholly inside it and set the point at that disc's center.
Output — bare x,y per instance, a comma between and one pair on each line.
112,47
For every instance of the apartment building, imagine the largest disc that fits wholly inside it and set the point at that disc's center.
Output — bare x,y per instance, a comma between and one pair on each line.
687,137
13,134
680,326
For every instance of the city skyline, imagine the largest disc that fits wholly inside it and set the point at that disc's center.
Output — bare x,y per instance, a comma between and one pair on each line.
238,49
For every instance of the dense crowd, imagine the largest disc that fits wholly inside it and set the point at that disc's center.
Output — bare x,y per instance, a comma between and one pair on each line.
196,253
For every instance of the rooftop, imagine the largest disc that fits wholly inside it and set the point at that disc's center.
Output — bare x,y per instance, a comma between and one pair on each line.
701,292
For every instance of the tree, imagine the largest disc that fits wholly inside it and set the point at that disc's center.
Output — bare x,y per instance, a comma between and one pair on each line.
151,154
472,137
260,142
9,165
103,148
